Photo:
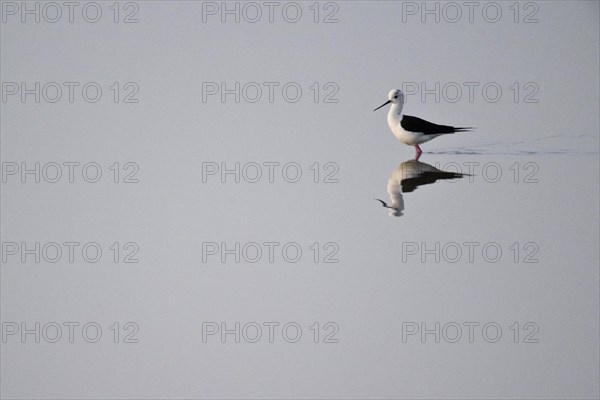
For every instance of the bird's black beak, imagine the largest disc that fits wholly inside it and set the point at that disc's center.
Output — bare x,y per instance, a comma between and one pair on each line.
384,104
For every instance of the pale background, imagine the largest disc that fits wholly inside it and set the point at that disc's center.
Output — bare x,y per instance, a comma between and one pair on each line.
169,53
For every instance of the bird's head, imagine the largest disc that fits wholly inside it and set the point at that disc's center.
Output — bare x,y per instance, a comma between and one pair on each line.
395,96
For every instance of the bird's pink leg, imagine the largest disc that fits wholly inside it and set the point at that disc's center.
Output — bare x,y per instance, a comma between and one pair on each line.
419,152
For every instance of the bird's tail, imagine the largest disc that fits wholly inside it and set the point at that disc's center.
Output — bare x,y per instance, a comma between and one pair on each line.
464,129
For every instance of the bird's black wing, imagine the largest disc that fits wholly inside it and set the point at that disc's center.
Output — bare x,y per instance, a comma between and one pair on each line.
414,124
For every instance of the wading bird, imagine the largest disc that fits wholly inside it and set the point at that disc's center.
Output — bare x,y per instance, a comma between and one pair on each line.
412,130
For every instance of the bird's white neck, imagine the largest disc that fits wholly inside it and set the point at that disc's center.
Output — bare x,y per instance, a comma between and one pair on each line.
395,114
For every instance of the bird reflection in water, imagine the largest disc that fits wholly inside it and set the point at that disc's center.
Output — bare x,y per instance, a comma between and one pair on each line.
407,177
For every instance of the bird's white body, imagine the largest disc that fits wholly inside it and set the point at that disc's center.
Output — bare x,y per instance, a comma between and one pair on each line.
410,138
